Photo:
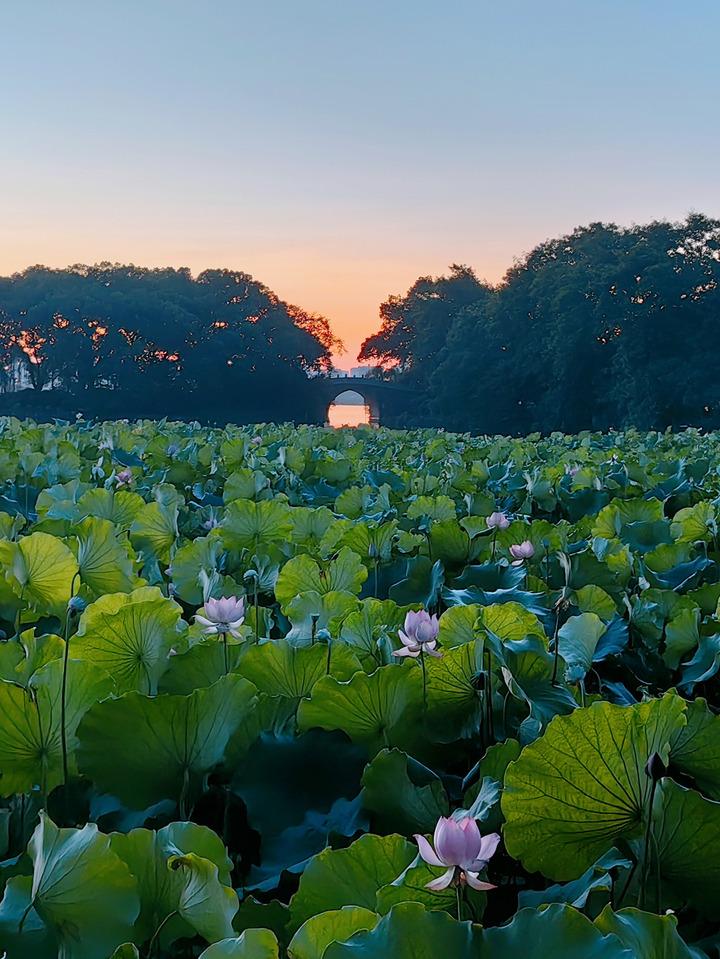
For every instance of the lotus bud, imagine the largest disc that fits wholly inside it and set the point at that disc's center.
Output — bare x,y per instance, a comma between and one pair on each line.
497,521
76,605
522,551
655,768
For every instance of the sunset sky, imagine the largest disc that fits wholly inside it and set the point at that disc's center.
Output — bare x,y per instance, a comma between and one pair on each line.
337,150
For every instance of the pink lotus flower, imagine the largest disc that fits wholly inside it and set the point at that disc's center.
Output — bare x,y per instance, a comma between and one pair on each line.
497,521
224,615
124,477
256,440
419,635
460,850
522,551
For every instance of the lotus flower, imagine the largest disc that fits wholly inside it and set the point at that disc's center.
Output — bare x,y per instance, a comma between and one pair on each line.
419,635
256,440
497,521
124,477
224,615
522,551
460,850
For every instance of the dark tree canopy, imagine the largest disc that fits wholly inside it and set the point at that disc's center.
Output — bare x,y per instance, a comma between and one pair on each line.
606,327
221,336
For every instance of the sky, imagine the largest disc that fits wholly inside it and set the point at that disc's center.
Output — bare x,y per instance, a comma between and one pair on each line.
339,149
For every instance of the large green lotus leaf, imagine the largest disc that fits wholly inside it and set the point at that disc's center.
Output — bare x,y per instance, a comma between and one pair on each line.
639,523
402,795
694,523
42,571
703,665
244,484
489,578
556,930
459,625
119,507
263,915
130,635
252,944
30,724
382,709
578,640
345,573
19,659
411,886
449,543
201,665
674,567
684,867
421,583
695,749
350,877
410,931
368,628
528,673
590,893
593,599
154,529
324,769
105,561
81,890
436,508
310,525
147,854
646,935
201,556
682,635
312,611
490,771
143,749
653,608
336,925
452,692
33,938
611,573
205,903
581,787
511,622
373,541
256,526
278,668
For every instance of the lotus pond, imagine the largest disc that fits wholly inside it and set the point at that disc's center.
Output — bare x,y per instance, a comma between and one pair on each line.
280,691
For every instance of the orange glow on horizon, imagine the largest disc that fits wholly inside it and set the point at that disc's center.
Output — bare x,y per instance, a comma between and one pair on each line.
346,287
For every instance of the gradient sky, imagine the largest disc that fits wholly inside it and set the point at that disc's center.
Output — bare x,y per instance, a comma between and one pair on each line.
337,150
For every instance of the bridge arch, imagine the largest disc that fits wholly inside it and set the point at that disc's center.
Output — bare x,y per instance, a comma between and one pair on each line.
383,399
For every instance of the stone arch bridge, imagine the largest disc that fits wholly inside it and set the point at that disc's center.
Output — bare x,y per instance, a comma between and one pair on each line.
385,400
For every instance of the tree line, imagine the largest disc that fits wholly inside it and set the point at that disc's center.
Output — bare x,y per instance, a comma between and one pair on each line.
122,338
605,327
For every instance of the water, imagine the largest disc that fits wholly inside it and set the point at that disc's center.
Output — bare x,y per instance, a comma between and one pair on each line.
347,414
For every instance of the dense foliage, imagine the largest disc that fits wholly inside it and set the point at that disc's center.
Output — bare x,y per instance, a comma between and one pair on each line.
181,777
606,327
146,337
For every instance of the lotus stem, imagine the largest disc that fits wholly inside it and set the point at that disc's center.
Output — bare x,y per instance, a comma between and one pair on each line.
646,850
156,934
556,642
225,651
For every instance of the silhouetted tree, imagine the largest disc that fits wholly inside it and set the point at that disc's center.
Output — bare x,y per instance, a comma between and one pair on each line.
223,336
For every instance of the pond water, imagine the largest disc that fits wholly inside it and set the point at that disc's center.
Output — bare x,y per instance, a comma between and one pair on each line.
347,414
